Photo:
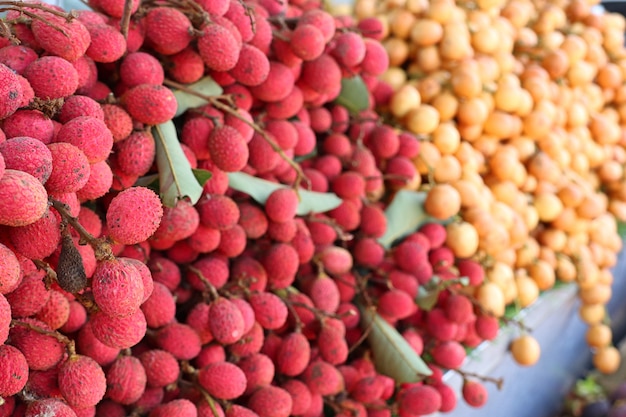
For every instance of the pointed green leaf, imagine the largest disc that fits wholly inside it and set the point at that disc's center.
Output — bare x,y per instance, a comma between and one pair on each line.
259,189
354,95
176,179
148,181
393,356
404,215
205,86
202,175
426,300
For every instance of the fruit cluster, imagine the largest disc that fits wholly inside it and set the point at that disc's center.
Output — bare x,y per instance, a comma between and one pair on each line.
519,106
224,303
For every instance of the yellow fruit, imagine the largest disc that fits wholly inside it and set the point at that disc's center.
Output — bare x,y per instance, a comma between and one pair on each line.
607,359
525,350
491,299
442,201
598,335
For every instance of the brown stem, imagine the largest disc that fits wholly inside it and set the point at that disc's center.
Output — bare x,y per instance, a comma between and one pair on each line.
51,275
214,101
71,349
101,247
125,22
341,234
498,381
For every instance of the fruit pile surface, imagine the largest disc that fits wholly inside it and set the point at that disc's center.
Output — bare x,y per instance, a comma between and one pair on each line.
233,208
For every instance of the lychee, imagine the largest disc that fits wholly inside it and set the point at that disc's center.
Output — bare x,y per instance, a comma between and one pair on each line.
419,400
223,380
49,406
133,215
70,168
252,66
293,355
17,57
72,376
30,296
269,310
226,321
281,261
178,407
118,121
228,149
218,47
117,288
89,134
136,153
13,371
474,393
218,211
119,332
87,344
150,104
160,307
161,367
271,401
24,199
179,339
323,378
141,68
56,311
68,39
167,30
281,205
278,84
52,77
29,123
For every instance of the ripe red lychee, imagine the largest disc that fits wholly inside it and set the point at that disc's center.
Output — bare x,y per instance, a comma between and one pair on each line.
29,155
56,311
293,355
141,68
126,380
117,288
150,104
87,344
47,407
278,84
218,211
39,239
99,182
179,339
119,332
134,215
228,149
323,378
281,262
68,39
13,371
419,400
223,380
161,367
474,393
52,77
89,134
226,321
135,154
178,407
271,401
11,94
118,121
259,371
29,297
72,376
218,47
76,106
160,307
269,310
23,198
70,168
281,205
167,30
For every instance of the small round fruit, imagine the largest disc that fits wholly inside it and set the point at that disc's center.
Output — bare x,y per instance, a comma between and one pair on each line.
525,350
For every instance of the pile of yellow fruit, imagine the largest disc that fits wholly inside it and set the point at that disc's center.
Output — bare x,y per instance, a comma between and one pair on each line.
521,108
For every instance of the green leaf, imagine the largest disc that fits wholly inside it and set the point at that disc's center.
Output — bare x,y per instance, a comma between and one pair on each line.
202,175
428,294
148,181
405,215
354,95
205,86
176,179
393,356
621,229
259,189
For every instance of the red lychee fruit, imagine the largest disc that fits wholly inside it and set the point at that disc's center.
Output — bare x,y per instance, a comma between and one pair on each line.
87,344
269,310
161,367
323,378
168,30
271,401
218,47
278,84
450,354
252,67
179,407
134,215
141,68
56,311
47,407
90,135
160,308
72,376
419,400
23,199
30,296
281,205
37,240
281,262
179,339
117,288
218,211
126,380
293,355
68,39
150,104
13,371
228,149
259,371
119,332
29,155
223,380
118,121
52,77
226,321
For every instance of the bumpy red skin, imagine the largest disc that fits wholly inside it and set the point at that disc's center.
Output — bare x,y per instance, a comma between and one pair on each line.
76,106
10,270
119,332
13,372
150,104
99,182
141,68
70,44
52,77
277,85
252,67
49,407
37,240
228,149
135,154
11,93
167,30
126,380
218,47
56,311
89,134
82,381
226,321
160,307
107,44
218,211
270,311
70,168
5,318
223,380
161,367
23,199
179,408
134,215
282,205
87,344
294,354
185,67
271,401
117,288
29,155
17,57
118,121
181,340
